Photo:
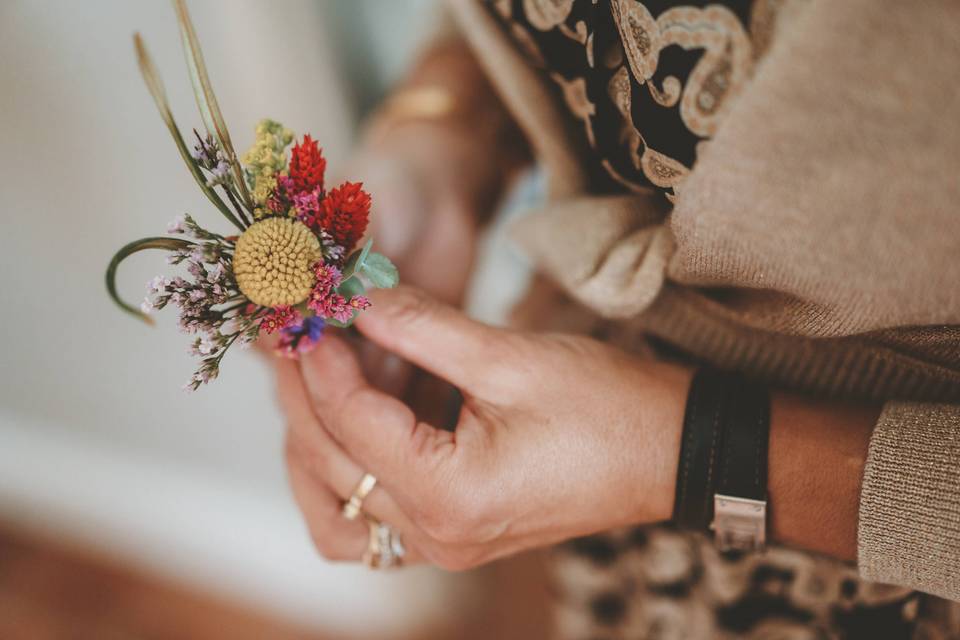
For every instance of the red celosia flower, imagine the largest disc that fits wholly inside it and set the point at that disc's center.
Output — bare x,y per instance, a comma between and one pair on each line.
280,317
345,212
307,165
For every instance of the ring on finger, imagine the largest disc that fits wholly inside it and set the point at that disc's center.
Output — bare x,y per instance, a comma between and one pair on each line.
354,505
385,549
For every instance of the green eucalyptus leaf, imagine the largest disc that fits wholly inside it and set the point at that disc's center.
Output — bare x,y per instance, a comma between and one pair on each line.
206,99
168,244
155,86
379,271
351,287
356,260
340,325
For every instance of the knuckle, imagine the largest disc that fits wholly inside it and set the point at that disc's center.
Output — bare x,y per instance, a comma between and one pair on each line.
509,368
410,305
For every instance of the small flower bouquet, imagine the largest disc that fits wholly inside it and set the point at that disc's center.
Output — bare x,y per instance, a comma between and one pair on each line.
291,267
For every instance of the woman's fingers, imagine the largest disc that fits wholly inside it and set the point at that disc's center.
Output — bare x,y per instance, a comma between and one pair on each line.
335,537
323,476
435,336
378,431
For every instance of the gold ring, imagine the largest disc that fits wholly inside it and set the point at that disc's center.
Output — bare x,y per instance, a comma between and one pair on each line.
351,508
385,550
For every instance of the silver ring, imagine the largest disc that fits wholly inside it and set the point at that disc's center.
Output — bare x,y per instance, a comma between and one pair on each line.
385,549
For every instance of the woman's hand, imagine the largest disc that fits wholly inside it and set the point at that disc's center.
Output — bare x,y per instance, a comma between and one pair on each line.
559,436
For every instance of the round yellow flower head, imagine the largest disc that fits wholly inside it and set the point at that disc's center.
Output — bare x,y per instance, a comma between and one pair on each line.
273,262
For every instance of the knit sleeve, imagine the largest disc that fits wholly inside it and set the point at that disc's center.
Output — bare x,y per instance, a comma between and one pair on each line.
909,529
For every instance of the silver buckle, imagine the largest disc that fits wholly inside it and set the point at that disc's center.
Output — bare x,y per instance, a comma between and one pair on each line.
739,523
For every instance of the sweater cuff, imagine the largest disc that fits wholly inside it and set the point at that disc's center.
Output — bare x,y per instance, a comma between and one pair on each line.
909,529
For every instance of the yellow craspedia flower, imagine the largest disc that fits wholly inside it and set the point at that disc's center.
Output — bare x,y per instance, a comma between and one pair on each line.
273,262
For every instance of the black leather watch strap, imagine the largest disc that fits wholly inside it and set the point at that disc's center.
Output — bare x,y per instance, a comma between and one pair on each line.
722,473
743,452
700,450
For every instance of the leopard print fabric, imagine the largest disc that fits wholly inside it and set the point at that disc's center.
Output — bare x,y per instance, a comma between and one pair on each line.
663,584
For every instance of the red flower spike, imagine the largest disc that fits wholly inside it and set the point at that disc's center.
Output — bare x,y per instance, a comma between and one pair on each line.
344,214
307,165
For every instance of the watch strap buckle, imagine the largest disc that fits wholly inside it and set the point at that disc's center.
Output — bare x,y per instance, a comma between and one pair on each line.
739,523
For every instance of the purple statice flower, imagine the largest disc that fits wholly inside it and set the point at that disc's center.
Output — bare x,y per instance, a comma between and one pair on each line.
210,305
177,225
210,157
301,337
220,173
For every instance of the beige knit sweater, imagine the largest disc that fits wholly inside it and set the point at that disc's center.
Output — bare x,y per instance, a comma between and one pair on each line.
815,243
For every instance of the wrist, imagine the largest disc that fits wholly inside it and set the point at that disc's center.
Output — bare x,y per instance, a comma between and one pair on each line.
817,455
663,401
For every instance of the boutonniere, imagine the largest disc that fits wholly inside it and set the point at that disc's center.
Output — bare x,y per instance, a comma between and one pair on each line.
291,265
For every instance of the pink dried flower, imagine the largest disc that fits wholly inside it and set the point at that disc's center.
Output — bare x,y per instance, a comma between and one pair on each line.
280,317
360,303
326,302
307,205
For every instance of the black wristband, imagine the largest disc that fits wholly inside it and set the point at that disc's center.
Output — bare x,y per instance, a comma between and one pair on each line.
700,449
743,452
722,474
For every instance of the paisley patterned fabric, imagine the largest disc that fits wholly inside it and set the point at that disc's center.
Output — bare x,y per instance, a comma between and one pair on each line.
649,82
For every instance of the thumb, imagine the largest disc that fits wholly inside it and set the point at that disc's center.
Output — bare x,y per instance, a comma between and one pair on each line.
435,336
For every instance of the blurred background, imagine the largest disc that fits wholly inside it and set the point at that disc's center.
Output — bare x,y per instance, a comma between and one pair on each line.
129,509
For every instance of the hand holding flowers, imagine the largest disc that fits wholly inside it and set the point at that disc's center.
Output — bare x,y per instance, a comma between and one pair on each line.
559,436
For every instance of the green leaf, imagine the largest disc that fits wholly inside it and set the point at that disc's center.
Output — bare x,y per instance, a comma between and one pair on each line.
155,86
381,273
351,287
356,260
168,244
206,99
340,325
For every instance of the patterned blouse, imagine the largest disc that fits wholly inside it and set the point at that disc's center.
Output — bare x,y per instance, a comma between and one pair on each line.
649,81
